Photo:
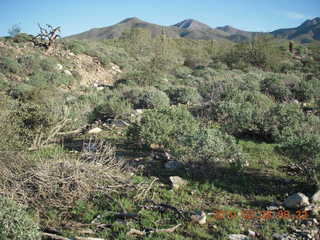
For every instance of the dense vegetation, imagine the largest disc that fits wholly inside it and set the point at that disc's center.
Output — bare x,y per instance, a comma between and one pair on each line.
234,117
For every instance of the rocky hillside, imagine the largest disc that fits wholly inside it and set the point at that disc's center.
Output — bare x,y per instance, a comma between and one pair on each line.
306,32
193,29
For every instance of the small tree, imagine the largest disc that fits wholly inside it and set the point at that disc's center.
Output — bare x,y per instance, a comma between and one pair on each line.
47,36
14,30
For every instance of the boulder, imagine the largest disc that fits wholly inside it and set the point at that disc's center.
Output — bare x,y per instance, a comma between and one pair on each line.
95,130
296,200
238,237
59,67
316,197
177,182
67,72
199,218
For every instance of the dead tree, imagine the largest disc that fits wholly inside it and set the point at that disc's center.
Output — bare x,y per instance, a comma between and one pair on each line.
47,36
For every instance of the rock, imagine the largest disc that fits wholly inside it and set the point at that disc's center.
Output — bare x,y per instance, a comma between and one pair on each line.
67,72
296,200
316,197
251,234
155,146
120,123
238,237
277,236
139,111
199,218
95,130
177,182
172,165
59,67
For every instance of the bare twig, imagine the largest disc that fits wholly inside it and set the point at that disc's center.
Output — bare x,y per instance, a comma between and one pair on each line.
143,233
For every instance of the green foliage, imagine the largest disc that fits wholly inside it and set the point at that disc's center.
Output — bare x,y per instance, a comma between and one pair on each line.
259,52
77,47
22,38
16,223
146,97
276,87
304,151
164,126
284,121
113,107
212,145
244,113
9,65
183,95
183,72
48,79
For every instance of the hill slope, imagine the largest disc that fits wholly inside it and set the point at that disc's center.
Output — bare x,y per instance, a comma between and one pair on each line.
306,32
193,29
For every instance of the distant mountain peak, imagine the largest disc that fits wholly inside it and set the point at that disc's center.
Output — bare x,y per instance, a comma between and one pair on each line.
191,24
131,19
311,22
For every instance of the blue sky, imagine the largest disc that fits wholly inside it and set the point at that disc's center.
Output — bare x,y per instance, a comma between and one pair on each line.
75,16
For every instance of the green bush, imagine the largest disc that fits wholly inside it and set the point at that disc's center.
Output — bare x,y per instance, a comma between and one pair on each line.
244,113
284,121
275,86
212,145
113,108
16,223
75,46
48,79
164,126
182,72
146,98
183,95
30,63
3,82
304,151
307,90
9,65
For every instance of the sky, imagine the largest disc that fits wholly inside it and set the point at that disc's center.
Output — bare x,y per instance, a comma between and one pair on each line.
75,16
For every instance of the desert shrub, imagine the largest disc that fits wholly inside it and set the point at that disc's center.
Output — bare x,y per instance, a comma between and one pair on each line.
30,119
306,90
22,37
182,72
163,126
205,73
146,98
15,222
48,64
249,82
114,107
284,121
244,113
48,79
211,145
9,65
75,46
183,95
304,151
3,82
30,63
276,87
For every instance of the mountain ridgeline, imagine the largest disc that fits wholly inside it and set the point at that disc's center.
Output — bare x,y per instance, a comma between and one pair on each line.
192,29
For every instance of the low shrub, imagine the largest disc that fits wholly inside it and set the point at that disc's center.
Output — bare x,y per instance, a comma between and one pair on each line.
9,65
276,87
163,126
75,46
183,95
146,98
112,108
243,114
15,222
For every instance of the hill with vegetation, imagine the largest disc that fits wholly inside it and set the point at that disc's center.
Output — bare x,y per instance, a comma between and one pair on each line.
142,137
193,29
305,33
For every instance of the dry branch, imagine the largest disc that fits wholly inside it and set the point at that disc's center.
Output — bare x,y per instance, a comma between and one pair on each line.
143,233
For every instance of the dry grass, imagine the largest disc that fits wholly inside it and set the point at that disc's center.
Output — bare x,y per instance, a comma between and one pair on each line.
59,182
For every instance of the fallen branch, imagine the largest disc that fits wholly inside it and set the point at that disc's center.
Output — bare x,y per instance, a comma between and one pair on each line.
143,233
57,237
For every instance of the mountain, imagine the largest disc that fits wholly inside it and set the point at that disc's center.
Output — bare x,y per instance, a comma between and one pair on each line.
306,32
237,35
116,30
193,29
